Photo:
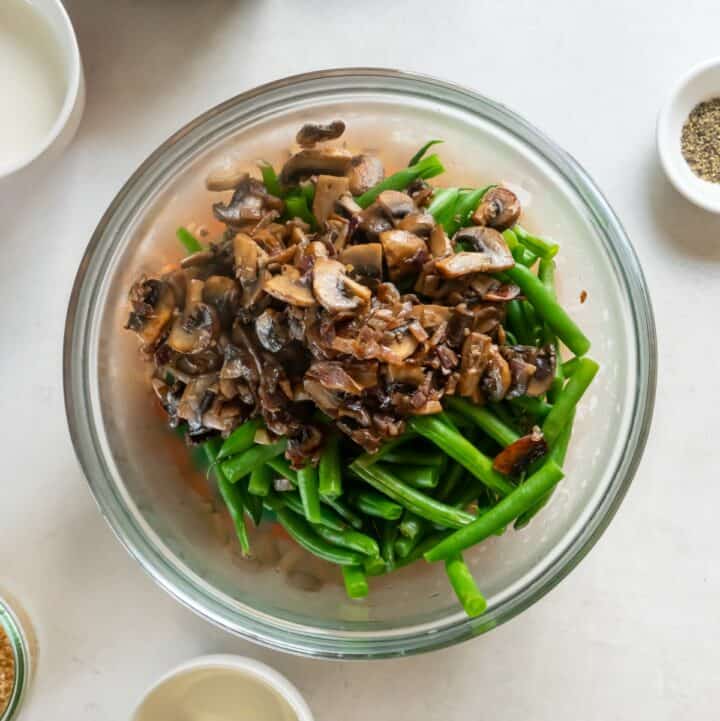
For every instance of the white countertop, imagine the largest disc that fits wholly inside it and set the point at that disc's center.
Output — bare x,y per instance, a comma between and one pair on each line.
632,633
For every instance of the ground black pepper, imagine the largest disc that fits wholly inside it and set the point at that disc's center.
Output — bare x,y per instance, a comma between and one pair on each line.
700,140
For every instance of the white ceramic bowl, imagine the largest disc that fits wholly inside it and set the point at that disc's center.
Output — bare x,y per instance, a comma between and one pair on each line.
250,669
67,121
701,83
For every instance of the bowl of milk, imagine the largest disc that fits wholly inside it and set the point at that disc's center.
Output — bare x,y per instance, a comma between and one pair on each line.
41,82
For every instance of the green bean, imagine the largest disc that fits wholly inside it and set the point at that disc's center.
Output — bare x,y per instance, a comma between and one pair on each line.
244,463
568,399
411,525
507,510
517,321
420,153
329,469
356,585
536,407
549,309
519,252
422,505
458,420
377,505
459,448
296,206
443,204
405,545
260,480
328,517
270,179
375,566
426,168
419,476
570,366
231,495
449,481
539,246
281,466
191,243
558,454
308,486
303,534
466,494
464,586
345,512
388,447
242,438
484,419
466,205
414,457
349,538
387,542
534,326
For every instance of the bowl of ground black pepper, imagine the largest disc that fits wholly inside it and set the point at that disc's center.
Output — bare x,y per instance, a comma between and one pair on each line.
688,135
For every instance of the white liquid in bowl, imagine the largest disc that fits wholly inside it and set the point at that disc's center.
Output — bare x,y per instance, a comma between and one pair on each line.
214,694
32,80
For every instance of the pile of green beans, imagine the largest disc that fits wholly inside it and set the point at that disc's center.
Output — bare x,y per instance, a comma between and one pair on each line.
434,492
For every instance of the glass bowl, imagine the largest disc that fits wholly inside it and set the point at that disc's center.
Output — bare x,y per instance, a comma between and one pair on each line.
142,476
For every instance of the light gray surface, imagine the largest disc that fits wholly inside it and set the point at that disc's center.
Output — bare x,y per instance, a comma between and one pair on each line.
632,633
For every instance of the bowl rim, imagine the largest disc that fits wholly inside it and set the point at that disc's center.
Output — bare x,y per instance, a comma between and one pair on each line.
698,191
75,84
393,644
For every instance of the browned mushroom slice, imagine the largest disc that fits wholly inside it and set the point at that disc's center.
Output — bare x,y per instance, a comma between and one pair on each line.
401,348
332,376
288,287
404,252
317,161
503,293
496,381
328,190
545,365
365,260
223,294
365,172
271,330
440,245
199,259
334,290
196,399
347,205
246,205
326,400
431,316
533,369
396,204
475,356
518,456
418,223
500,209
199,324
490,253
372,221
247,253
404,373
226,177
312,133
364,373
153,303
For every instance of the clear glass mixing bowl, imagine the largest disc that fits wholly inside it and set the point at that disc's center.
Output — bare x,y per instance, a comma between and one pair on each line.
141,475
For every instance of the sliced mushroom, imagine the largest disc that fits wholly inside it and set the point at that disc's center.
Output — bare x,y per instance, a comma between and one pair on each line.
347,205
332,376
226,177
517,457
490,253
402,348
431,316
312,133
246,205
500,209
545,366
404,252
272,330
365,172
476,351
404,373
198,326
328,190
418,223
373,220
334,290
533,369
497,378
153,303
316,161
223,294
396,204
365,260
440,245
247,253
289,287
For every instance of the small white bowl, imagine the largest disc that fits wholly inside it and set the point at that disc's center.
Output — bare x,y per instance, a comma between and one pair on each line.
67,121
701,83
248,668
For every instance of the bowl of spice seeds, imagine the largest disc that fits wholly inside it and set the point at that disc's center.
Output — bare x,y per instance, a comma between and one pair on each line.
17,648
688,135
